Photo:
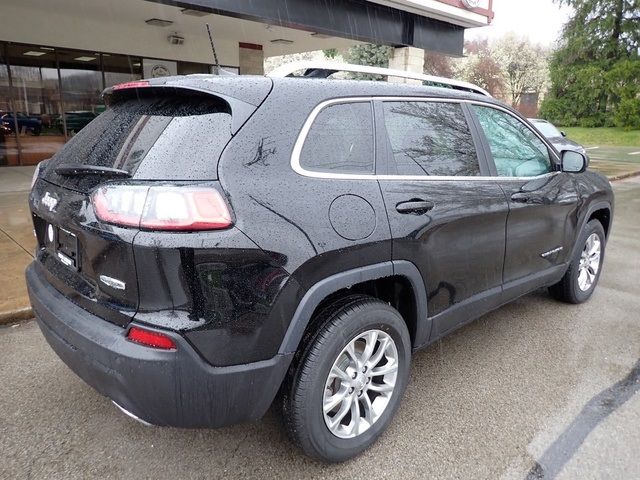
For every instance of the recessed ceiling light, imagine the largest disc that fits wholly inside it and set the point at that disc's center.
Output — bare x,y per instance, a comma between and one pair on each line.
320,35
84,59
195,13
34,54
282,41
158,22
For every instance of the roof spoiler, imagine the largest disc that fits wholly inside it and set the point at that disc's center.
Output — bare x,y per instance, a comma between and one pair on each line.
240,110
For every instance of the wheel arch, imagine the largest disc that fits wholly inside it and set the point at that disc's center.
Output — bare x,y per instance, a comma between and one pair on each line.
350,281
601,211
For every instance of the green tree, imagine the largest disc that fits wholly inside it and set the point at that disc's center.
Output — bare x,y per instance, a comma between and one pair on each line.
369,54
591,72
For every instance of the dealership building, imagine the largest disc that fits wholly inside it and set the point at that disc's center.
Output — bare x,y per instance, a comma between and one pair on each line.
57,56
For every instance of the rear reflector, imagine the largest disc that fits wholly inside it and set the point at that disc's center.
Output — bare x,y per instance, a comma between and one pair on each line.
162,208
135,84
150,339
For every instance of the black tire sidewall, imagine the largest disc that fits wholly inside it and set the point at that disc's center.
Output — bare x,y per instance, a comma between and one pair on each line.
593,226
373,315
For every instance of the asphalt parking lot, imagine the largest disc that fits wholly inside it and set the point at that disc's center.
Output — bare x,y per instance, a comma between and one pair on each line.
537,389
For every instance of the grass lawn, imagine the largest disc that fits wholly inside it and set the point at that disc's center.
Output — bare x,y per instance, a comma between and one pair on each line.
604,136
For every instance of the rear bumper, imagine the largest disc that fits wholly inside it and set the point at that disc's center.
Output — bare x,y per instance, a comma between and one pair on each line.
170,388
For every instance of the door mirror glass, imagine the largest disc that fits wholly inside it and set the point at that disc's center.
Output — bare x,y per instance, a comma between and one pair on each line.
573,162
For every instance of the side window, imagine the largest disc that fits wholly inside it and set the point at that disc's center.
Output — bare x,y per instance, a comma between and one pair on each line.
516,150
430,138
340,140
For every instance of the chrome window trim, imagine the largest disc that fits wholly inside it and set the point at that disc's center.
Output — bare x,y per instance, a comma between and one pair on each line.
302,136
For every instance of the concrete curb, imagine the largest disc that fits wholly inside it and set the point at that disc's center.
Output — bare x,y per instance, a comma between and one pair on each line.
16,315
622,176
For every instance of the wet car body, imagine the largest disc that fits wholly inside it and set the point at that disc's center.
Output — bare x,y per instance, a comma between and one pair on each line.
236,302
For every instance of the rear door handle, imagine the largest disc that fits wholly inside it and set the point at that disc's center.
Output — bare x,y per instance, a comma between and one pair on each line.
415,206
520,197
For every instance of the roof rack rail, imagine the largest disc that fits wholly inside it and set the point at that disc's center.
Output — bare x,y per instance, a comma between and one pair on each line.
325,69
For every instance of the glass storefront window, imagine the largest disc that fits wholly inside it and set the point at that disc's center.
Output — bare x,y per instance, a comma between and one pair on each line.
81,81
36,104
48,94
120,69
8,143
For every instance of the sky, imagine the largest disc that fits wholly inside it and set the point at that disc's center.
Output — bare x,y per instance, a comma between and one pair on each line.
539,20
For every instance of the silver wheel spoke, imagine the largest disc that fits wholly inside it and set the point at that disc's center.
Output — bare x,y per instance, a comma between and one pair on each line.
355,417
381,387
368,409
339,373
384,369
382,348
334,400
337,418
351,352
371,339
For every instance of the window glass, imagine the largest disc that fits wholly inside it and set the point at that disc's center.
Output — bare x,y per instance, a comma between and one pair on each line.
430,138
120,69
35,120
340,140
147,136
516,150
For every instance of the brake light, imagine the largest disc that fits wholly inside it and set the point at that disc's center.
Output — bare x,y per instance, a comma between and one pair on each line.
162,208
134,84
151,339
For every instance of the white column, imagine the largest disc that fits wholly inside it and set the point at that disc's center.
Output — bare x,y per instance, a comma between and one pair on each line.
410,59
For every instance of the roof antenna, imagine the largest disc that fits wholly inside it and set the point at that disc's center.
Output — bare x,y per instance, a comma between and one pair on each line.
216,66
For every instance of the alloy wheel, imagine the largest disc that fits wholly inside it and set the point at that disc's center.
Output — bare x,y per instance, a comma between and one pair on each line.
589,262
360,384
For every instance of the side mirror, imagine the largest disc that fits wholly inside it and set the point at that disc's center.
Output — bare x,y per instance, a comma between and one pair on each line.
563,133
573,162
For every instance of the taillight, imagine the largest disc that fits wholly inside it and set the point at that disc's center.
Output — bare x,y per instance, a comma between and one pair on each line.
150,338
162,208
133,84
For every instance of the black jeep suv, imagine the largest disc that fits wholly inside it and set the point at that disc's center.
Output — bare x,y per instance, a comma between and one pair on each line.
209,244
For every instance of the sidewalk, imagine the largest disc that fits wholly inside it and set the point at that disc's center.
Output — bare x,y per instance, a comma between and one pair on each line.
17,242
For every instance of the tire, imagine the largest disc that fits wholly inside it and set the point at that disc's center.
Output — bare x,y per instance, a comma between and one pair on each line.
571,288
309,386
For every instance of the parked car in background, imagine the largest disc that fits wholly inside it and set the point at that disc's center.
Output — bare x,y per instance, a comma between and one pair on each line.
75,120
30,123
557,137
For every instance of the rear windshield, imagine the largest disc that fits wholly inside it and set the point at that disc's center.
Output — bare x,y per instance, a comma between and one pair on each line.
157,138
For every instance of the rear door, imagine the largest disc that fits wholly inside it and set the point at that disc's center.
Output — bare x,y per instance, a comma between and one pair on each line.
543,200
447,214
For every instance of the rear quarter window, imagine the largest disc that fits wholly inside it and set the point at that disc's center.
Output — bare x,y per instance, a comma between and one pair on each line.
177,137
340,140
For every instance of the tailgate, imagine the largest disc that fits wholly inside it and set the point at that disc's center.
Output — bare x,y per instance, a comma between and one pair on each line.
90,263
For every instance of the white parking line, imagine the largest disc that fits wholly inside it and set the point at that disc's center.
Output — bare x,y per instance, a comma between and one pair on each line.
591,148
634,153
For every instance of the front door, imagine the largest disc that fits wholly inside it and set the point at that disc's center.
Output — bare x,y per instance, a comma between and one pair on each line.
543,201
447,215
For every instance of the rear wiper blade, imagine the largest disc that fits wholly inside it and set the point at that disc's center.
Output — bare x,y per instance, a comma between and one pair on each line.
69,169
